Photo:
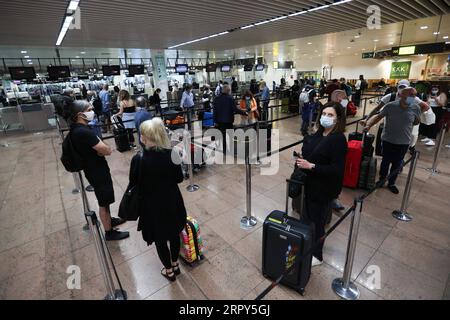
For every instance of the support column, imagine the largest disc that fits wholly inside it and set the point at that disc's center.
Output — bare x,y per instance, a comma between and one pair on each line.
159,70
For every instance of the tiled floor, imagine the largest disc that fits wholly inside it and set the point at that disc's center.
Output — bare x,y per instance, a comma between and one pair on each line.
41,232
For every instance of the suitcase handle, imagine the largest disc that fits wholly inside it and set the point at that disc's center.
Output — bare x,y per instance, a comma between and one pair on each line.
302,195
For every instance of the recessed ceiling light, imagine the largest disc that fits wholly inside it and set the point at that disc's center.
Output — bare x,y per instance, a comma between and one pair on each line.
391,43
309,43
445,37
424,27
376,40
26,57
83,52
23,51
349,47
357,37
436,33
77,57
30,62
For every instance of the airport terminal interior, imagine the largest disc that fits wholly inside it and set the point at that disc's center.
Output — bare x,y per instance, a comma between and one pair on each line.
79,104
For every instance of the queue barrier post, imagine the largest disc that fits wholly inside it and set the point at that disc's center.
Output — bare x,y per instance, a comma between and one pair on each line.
258,162
437,153
100,245
344,287
401,214
248,222
192,187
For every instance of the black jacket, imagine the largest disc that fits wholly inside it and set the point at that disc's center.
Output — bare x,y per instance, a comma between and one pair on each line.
224,108
162,214
324,182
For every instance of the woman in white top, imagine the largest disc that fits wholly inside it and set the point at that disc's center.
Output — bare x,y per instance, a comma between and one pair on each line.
437,99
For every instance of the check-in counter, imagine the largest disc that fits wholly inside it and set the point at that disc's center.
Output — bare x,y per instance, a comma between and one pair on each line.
37,116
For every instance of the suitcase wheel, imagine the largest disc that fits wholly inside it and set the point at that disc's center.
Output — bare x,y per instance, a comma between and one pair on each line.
301,291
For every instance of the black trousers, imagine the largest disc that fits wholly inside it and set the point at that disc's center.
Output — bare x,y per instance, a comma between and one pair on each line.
223,128
318,213
168,256
393,154
130,135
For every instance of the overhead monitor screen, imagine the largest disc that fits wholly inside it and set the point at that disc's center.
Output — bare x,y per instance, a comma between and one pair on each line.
58,72
259,67
111,70
226,68
22,73
211,67
134,69
248,67
181,68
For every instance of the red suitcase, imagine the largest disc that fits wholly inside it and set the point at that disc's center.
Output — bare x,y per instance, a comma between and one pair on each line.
353,163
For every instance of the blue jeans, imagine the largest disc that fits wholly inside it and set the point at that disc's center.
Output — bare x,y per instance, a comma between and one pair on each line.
393,155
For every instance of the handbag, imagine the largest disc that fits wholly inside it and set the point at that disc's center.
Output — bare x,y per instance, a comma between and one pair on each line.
129,205
300,176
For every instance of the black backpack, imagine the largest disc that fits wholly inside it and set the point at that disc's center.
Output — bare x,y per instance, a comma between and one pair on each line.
70,158
364,85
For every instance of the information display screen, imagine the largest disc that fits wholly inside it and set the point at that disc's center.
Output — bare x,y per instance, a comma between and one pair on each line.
181,68
22,73
248,67
135,69
260,67
211,67
225,68
58,72
111,70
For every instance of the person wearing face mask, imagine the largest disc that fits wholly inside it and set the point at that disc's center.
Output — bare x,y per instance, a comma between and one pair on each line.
323,160
248,104
400,117
437,101
395,96
92,151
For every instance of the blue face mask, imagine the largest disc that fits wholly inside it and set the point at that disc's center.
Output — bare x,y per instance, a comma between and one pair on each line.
410,100
327,122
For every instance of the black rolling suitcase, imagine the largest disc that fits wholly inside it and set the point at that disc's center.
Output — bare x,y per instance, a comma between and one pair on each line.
284,239
120,135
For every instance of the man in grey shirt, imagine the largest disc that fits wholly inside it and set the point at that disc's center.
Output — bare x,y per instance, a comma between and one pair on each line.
400,116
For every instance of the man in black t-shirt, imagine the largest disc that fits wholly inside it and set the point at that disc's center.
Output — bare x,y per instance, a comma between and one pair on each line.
92,151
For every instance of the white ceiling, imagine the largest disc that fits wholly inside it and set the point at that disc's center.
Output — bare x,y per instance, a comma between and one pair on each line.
160,24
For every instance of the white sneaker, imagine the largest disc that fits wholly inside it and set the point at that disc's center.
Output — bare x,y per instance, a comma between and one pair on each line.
447,146
430,143
316,262
425,140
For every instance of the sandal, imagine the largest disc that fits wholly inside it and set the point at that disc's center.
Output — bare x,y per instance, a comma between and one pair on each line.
169,276
176,269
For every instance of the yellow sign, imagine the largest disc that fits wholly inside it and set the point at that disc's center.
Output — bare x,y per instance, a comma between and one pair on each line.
407,51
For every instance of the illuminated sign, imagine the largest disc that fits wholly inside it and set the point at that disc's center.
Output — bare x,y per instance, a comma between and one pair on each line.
403,51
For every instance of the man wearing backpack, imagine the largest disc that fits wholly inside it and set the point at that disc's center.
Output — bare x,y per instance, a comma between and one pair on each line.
84,150
307,102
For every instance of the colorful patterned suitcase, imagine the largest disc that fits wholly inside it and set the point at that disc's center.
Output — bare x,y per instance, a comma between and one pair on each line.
191,242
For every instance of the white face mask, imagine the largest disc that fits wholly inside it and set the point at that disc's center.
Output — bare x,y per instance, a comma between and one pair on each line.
327,122
410,100
344,103
89,115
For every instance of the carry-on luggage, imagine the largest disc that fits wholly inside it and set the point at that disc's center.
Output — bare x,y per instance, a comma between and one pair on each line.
284,239
353,163
285,105
368,173
378,149
191,242
208,120
120,135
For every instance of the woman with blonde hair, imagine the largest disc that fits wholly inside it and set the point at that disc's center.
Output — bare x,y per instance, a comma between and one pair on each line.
162,214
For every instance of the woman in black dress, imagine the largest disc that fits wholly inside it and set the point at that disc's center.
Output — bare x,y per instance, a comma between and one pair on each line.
323,158
162,214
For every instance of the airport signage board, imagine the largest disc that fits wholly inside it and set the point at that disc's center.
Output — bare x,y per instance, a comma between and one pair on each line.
428,48
400,70
368,55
